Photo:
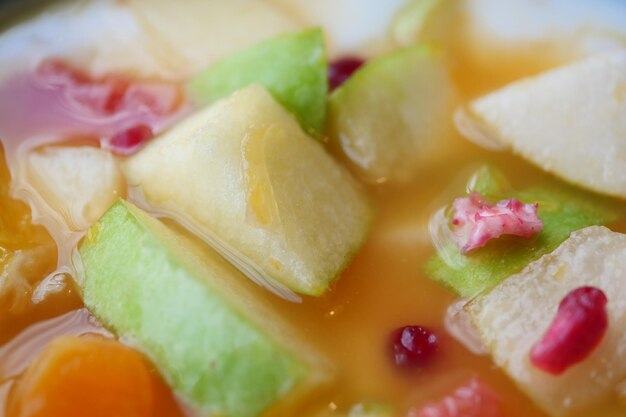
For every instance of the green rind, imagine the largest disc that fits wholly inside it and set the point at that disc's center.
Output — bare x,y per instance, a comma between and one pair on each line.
562,209
141,280
292,67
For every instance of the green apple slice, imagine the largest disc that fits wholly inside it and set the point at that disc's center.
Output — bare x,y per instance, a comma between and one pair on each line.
244,176
292,67
562,211
197,317
580,139
515,315
392,118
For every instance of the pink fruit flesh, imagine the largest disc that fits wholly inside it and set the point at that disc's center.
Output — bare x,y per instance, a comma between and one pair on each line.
339,71
61,101
472,399
130,140
476,221
580,323
414,346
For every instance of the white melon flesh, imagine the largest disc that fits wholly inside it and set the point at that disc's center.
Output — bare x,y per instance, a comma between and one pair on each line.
78,183
538,33
244,176
144,38
515,315
351,26
203,31
570,121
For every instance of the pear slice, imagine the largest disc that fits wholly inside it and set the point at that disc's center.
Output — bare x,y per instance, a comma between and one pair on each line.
292,67
217,343
515,315
78,182
570,121
393,117
244,176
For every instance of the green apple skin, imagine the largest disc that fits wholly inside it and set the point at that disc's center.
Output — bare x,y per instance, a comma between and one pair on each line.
191,313
292,67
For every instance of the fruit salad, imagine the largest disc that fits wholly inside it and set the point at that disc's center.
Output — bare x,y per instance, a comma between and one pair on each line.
273,208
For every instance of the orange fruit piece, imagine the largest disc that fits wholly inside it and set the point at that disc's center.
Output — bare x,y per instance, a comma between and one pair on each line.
84,376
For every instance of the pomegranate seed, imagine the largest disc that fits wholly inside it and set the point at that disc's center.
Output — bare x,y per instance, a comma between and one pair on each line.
472,399
580,323
339,71
414,346
130,140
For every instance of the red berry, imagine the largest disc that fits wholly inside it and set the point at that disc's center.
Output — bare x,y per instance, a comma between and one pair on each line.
414,346
339,71
580,323
130,140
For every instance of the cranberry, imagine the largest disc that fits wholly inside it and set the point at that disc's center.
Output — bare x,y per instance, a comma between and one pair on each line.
580,323
130,140
339,71
414,346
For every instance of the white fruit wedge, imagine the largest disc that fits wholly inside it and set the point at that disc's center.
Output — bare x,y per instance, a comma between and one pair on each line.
570,121
366,33
516,314
203,31
78,183
245,177
392,119
525,34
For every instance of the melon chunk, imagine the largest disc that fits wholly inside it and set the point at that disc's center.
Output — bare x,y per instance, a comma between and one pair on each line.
244,176
393,117
515,315
292,67
216,343
78,183
561,209
570,121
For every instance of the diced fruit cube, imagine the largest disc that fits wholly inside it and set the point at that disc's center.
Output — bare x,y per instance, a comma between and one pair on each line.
222,349
351,26
78,183
418,19
561,209
392,118
515,315
581,139
244,176
84,376
292,67
189,38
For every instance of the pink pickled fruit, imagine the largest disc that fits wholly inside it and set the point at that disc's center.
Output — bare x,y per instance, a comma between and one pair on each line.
126,112
339,71
414,346
130,140
472,399
580,323
476,221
